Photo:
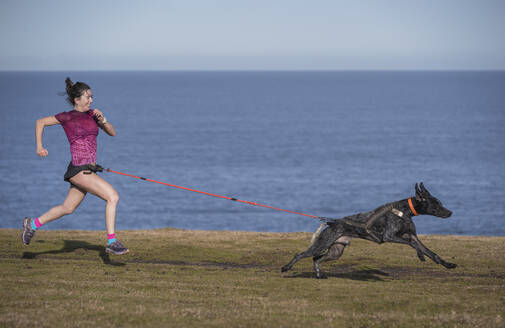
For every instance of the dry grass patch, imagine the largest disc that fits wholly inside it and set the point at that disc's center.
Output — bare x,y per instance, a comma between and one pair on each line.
185,278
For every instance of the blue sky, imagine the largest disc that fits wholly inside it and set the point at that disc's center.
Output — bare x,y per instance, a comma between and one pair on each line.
252,35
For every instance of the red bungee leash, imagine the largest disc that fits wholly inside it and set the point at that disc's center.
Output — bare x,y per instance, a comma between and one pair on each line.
210,194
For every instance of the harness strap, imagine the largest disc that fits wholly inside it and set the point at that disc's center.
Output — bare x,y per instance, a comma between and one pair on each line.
397,212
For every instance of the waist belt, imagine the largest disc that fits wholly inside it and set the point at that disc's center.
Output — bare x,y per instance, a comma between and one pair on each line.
92,168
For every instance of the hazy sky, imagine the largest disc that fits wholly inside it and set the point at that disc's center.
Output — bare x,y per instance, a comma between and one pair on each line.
256,34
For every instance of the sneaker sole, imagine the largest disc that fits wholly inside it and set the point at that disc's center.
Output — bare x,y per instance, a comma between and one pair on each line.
116,253
25,221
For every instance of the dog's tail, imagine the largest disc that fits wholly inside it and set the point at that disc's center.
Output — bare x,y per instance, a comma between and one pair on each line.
317,233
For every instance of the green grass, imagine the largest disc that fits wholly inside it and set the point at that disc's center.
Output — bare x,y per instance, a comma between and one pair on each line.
232,279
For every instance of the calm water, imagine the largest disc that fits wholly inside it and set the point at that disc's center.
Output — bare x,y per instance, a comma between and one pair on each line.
324,143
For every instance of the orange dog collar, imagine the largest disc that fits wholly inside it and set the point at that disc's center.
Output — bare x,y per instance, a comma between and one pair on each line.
411,205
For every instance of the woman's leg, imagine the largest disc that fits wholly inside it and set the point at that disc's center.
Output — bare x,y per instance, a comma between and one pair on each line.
99,187
73,200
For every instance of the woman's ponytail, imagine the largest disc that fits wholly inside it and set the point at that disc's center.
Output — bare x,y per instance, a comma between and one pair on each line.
74,90
68,85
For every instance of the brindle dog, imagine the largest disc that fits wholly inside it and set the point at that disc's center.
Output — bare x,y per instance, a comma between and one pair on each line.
391,222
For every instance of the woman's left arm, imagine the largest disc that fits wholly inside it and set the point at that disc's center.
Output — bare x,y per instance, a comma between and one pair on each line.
103,123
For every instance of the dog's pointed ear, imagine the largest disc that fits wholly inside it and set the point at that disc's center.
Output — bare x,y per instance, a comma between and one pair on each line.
424,190
418,193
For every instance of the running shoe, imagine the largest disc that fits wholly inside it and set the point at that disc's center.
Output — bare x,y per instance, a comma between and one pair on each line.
116,248
28,232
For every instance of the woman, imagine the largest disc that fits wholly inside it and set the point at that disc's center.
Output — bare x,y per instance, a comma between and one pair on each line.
81,127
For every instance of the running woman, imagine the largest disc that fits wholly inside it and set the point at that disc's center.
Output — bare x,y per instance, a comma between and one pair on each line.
81,127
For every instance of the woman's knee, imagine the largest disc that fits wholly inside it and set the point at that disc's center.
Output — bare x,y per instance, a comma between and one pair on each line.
113,197
66,209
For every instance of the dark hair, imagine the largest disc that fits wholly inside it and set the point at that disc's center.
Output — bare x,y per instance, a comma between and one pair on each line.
75,90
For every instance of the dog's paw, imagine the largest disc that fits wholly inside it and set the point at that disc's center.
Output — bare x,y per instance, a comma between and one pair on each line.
450,265
285,268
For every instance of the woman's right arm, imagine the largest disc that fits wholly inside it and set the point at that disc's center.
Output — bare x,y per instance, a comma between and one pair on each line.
39,129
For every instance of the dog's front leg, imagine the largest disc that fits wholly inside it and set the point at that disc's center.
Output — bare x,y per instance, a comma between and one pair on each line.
407,239
419,246
392,237
420,254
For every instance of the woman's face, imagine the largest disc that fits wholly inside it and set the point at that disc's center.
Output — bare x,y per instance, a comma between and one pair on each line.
84,101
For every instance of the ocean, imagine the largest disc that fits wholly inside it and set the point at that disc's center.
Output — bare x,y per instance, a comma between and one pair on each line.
323,143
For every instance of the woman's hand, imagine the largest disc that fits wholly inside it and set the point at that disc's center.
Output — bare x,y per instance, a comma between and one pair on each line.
109,128
42,152
99,115
39,128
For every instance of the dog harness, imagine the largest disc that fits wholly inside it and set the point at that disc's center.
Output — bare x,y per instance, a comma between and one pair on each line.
371,220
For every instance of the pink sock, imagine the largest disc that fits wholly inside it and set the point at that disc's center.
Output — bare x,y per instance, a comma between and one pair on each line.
37,223
111,238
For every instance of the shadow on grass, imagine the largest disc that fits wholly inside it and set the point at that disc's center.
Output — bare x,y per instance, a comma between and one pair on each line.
73,245
361,275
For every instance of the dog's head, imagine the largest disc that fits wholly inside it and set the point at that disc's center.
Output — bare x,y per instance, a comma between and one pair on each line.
427,204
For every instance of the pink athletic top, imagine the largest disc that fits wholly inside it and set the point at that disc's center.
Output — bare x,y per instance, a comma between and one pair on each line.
81,130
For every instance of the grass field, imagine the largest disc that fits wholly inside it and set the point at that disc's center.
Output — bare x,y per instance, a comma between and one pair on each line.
182,278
